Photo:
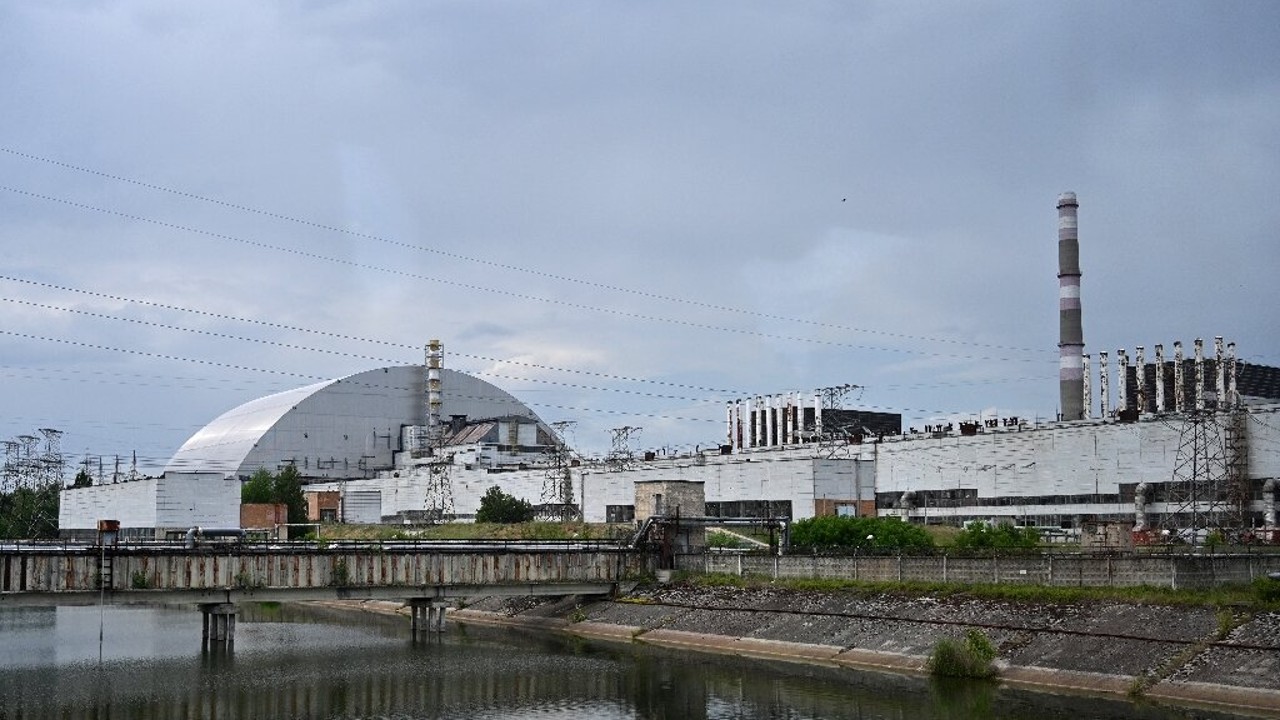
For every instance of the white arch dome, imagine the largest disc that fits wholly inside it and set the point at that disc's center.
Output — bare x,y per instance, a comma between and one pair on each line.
340,428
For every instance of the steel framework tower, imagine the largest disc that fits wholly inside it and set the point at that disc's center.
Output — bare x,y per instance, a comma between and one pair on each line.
621,457
1203,495
438,503
557,488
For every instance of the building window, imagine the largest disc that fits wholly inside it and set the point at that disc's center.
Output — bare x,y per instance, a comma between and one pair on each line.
619,513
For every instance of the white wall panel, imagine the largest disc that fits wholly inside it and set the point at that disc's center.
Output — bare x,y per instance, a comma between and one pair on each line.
185,500
132,503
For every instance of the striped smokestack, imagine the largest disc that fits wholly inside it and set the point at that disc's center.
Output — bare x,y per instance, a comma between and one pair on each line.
1070,333
435,361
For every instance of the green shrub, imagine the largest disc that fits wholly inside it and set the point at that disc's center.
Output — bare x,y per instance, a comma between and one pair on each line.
138,580
497,506
719,539
245,581
341,574
836,532
968,658
1266,590
1005,536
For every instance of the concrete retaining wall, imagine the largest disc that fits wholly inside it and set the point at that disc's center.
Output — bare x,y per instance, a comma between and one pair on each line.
1172,571
79,570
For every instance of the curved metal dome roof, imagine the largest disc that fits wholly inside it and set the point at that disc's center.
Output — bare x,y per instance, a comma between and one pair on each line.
338,428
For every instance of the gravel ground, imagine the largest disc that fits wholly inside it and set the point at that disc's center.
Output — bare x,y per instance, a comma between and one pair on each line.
1249,657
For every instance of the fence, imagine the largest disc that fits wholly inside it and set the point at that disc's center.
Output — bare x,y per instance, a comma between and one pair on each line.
1061,570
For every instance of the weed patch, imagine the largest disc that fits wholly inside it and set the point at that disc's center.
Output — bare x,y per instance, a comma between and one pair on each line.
341,574
970,657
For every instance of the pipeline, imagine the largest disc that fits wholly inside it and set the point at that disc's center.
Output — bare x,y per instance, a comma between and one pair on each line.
1269,503
1140,507
906,502
194,534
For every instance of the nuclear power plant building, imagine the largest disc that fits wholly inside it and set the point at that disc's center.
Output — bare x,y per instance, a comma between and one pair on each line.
1162,440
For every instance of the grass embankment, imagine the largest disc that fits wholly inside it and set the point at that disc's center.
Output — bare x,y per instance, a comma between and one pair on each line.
1262,595
478,531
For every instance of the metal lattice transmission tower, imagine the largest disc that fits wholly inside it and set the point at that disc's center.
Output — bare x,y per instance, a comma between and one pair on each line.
833,397
27,460
51,460
557,488
438,502
831,435
1239,489
9,478
1199,495
439,495
621,456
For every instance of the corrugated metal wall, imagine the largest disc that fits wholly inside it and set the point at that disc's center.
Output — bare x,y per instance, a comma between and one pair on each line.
362,506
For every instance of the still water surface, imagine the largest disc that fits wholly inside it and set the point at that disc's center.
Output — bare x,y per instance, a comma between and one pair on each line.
302,662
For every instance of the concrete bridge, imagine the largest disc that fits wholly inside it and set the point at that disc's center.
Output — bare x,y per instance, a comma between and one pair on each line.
427,575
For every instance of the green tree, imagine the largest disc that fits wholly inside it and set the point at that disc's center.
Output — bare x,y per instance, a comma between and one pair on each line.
498,507
284,488
259,488
30,513
83,479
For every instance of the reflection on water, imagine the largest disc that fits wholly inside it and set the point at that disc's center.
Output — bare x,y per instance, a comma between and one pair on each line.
303,662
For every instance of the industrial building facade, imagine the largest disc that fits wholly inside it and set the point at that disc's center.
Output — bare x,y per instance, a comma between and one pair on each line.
1055,474
148,508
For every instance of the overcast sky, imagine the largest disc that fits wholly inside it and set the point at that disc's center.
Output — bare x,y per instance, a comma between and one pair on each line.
624,213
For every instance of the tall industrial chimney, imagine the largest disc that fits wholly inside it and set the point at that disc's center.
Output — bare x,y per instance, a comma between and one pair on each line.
435,358
1070,333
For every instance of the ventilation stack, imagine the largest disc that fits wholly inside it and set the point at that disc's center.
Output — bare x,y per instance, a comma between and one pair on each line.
435,360
1070,332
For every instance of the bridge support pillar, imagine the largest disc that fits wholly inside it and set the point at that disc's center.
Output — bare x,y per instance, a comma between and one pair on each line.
219,626
426,616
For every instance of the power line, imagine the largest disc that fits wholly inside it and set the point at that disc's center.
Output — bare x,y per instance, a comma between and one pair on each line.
486,373
290,346
496,264
354,338
508,293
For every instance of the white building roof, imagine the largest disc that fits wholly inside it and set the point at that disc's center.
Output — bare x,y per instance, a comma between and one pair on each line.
346,427
222,445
